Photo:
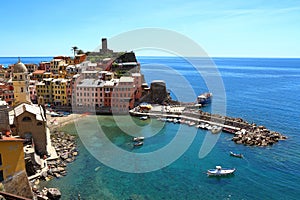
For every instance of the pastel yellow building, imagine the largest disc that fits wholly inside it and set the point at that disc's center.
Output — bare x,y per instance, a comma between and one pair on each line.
56,65
59,92
13,175
44,90
11,157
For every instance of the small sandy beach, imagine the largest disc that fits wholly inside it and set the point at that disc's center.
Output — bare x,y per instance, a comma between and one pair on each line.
57,122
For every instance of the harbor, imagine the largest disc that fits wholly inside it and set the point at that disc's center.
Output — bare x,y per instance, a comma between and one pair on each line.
244,132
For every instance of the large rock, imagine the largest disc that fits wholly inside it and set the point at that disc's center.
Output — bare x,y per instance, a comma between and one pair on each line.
53,194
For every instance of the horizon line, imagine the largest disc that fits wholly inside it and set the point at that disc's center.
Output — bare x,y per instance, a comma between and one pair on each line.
169,56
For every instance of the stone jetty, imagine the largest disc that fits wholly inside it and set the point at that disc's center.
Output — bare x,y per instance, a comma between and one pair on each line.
243,131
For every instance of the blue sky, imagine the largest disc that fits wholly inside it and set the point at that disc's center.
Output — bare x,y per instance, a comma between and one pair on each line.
257,28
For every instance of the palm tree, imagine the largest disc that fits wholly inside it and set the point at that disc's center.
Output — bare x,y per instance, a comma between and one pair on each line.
74,49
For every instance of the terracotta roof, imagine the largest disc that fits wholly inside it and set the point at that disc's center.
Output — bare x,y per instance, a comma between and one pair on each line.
9,139
39,72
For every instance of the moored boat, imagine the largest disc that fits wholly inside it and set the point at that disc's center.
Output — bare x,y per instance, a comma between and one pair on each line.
137,139
138,144
219,171
216,129
239,155
143,117
204,98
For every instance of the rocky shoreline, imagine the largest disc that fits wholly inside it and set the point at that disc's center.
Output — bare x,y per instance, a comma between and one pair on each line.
66,148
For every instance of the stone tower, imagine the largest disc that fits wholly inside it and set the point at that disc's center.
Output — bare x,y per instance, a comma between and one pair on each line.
20,83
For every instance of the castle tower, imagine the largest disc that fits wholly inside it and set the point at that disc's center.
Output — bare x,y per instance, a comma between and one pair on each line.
20,83
104,44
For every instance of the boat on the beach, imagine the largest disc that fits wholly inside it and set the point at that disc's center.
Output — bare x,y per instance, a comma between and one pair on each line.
216,129
136,144
219,171
204,98
238,155
138,139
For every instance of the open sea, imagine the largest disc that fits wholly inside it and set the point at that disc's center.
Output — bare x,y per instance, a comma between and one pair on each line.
265,91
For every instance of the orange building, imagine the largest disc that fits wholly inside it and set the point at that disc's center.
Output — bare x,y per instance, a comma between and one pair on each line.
79,58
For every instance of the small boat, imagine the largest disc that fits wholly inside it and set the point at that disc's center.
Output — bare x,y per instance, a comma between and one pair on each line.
204,98
137,139
144,118
216,129
192,123
239,155
219,171
136,144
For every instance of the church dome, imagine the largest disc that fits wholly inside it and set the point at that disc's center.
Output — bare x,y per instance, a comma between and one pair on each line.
19,68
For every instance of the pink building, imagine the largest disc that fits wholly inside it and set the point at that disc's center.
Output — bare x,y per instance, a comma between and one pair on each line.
45,66
116,95
32,91
123,95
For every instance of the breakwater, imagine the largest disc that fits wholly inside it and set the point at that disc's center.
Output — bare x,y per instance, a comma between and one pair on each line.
244,132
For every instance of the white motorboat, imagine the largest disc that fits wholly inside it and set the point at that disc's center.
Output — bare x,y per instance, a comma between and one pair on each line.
219,171
137,139
144,118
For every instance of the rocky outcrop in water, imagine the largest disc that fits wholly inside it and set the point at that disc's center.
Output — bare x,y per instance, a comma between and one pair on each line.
258,136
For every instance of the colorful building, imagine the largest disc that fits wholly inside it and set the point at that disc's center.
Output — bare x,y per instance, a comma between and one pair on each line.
38,75
31,67
79,58
32,91
44,91
59,92
45,66
13,175
56,65
30,122
123,95
7,92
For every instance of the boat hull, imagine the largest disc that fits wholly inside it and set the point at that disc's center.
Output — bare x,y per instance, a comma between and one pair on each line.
222,172
236,155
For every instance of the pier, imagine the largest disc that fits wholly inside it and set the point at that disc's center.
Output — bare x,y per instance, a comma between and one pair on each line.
243,131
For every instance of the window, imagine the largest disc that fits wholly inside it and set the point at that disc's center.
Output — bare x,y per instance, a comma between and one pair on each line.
39,124
1,176
26,119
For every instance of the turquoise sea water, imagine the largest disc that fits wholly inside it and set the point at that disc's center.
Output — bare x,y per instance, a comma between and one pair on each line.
264,91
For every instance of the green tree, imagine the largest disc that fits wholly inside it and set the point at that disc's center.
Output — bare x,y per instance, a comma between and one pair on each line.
80,51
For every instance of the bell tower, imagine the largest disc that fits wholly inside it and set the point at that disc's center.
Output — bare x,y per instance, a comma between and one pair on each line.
20,83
